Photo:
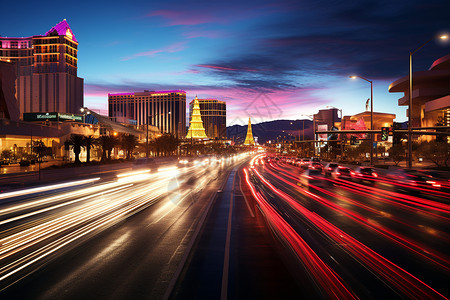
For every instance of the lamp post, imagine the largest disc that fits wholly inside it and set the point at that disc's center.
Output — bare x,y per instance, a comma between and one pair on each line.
314,130
371,115
442,37
342,128
148,118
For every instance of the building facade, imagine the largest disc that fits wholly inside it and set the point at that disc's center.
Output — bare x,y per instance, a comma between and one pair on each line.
214,117
324,120
163,109
46,68
361,121
430,95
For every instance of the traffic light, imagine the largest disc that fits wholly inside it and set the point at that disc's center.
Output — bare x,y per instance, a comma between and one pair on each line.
384,133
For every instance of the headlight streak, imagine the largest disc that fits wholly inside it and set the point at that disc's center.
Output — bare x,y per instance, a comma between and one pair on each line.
433,256
397,277
66,219
58,206
328,280
33,203
86,212
110,212
46,188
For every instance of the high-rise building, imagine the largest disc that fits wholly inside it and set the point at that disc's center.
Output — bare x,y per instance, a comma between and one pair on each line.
214,117
46,68
163,109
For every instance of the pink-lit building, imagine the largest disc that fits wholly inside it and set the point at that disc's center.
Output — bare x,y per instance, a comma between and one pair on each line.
163,109
46,68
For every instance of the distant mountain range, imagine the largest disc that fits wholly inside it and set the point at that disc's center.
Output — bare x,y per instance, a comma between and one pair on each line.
270,130
284,129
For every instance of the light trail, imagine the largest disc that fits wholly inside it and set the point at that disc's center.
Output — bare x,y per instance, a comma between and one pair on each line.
40,227
423,251
46,188
397,277
328,280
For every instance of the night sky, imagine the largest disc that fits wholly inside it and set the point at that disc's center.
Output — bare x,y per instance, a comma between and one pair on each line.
267,59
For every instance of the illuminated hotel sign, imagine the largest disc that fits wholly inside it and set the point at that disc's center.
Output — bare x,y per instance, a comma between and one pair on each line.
69,34
52,116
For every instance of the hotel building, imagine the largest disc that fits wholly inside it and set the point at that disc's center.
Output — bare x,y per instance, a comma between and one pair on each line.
46,68
430,95
163,109
214,117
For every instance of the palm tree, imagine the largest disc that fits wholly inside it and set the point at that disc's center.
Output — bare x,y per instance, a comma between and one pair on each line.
107,143
89,142
167,143
128,143
77,142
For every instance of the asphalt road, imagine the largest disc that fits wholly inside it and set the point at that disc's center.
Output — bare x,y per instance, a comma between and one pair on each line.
358,240
105,239
223,230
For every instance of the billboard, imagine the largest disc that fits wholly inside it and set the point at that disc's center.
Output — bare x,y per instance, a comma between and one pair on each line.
51,116
324,136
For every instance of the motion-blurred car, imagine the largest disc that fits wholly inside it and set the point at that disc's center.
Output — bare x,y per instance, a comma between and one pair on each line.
185,162
442,179
364,174
342,172
412,180
310,177
305,163
316,165
329,169
145,163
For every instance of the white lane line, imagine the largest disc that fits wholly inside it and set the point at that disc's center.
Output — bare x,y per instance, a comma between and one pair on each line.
226,260
189,247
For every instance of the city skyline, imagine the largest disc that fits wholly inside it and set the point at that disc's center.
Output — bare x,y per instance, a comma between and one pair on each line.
285,59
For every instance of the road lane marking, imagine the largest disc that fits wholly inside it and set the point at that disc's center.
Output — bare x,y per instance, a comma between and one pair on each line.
189,247
226,260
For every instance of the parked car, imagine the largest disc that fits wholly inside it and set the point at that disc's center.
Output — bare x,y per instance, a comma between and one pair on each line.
145,163
24,163
364,174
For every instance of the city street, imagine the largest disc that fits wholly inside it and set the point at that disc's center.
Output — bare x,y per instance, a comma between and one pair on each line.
224,229
98,238
358,239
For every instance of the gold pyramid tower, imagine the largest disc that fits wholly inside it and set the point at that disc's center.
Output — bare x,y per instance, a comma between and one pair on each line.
249,138
196,129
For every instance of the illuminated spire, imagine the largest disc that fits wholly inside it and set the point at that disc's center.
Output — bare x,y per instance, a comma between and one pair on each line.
196,129
249,138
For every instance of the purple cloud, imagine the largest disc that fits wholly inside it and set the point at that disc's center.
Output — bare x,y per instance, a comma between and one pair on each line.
176,47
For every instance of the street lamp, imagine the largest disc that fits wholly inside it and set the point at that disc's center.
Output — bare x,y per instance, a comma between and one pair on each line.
148,117
371,115
314,130
442,37
342,128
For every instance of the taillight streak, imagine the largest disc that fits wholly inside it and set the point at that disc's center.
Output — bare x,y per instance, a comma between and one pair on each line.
322,273
396,276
